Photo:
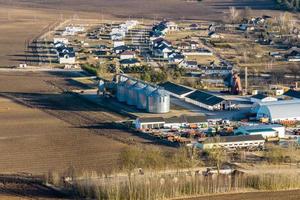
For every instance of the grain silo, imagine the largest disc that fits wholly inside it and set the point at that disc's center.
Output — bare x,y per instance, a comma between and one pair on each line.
121,92
129,83
133,92
131,100
158,102
142,96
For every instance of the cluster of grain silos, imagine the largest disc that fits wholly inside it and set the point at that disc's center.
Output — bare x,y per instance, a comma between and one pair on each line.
142,95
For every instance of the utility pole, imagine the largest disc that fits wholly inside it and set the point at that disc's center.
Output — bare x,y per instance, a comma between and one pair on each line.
246,80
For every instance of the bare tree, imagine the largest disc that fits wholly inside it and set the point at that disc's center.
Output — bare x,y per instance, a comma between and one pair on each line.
246,13
217,155
295,71
234,14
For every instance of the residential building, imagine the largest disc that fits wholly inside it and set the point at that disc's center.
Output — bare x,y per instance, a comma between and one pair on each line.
117,43
130,62
127,55
197,52
216,70
193,65
67,58
175,57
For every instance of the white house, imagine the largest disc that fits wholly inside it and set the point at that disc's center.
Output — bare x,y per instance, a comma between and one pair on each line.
72,30
162,51
172,26
193,65
127,55
175,57
117,43
61,40
67,58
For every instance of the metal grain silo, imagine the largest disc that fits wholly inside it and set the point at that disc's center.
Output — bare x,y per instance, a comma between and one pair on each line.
158,102
121,91
133,92
129,83
142,96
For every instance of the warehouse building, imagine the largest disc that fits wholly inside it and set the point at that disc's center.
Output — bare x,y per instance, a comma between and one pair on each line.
266,130
149,122
176,122
207,101
176,90
234,142
262,98
279,112
293,94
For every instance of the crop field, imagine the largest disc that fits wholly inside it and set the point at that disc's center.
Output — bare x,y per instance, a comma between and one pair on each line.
22,21
207,9
43,128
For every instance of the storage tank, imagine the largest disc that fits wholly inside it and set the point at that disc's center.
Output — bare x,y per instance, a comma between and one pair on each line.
133,93
158,102
142,96
121,93
129,83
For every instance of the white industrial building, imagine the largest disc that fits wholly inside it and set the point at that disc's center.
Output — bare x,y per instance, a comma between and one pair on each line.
266,130
280,111
183,121
234,142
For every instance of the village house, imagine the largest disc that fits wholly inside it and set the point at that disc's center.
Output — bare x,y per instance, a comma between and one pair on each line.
130,62
127,55
192,65
117,43
66,57
161,48
216,70
175,57
293,55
